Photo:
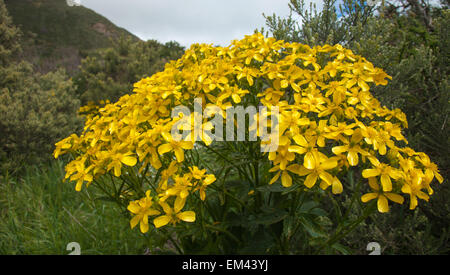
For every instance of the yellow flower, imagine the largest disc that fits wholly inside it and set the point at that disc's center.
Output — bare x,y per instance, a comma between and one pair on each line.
291,75
197,173
385,172
306,147
181,188
359,76
382,197
208,179
431,169
173,215
322,163
142,210
167,173
328,121
80,173
413,186
118,156
197,128
175,146
353,148
286,179
291,120
282,156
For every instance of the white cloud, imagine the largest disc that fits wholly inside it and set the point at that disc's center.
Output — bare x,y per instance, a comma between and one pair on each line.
189,21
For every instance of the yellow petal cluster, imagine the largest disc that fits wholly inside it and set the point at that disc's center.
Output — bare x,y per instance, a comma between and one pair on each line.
329,121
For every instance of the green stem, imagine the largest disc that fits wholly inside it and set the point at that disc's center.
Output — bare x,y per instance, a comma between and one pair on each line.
223,231
355,194
346,230
180,251
230,162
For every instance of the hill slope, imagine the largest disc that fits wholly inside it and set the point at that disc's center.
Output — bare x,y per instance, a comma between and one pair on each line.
55,34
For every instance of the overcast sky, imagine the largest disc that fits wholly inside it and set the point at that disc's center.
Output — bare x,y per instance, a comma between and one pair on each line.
189,21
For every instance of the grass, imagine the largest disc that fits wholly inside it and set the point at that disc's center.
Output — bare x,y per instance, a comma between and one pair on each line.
39,214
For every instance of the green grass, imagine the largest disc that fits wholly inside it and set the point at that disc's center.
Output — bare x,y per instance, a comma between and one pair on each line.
39,214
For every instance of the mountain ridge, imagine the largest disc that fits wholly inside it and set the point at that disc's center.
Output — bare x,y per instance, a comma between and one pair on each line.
55,34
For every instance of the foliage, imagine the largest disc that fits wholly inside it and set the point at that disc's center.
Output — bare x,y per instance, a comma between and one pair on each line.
35,111
408,39
109,74
57,35
9,35
332,135
40,216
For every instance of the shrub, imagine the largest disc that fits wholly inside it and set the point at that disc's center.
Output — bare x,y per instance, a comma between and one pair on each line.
109,73
35,112
331,138
412,47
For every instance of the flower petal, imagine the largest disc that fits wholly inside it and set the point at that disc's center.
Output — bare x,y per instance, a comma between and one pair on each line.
286,179
310,180
368,173
179,154
301,140
144,227
395,197
161,221
274,179
352,158
328,164
337,150
134,221
128,160
386,183
167,147
309,161
368,197
336,186
382,204
187,216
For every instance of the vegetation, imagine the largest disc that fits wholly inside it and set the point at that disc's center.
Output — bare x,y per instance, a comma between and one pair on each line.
333,138
55,59
408,39
40,215
108,74
57,35
35,110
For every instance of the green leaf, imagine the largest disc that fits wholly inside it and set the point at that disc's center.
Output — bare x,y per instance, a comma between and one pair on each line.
277,188
268,219
267,216
258,243
341,248
105,198
312,228
306,207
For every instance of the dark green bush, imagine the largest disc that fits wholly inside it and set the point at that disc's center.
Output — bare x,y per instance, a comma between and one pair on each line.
9,35
35,112
110,73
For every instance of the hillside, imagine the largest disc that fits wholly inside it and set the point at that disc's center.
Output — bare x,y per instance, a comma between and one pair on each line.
55,34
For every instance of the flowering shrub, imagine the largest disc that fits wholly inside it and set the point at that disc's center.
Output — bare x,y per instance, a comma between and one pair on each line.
330,130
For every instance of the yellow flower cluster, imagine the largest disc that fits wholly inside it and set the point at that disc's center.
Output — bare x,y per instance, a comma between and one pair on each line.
328,122
182,187
92,108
